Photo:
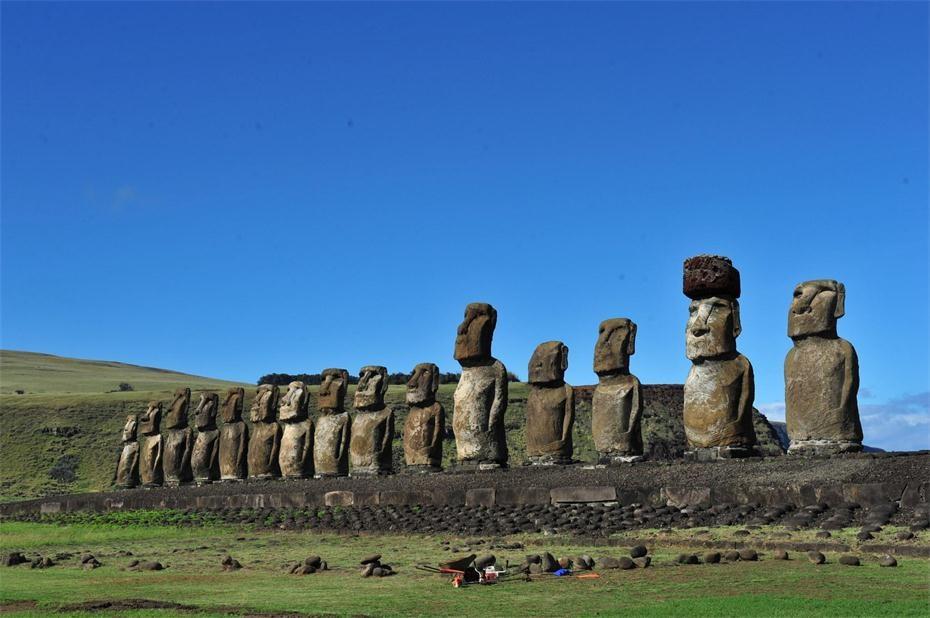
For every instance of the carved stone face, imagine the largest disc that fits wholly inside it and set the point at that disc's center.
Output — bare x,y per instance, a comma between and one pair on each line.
150,421
815,308
177,412
129,429
205,414
232,405
423,384
713,326
548,363
372,385
332,393
473,339
264,404
616,342
294,403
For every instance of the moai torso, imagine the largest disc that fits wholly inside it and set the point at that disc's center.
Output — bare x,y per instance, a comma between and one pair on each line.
821,372
265,437
617,404
127,468
295,458
332,434
426,419
370,446
205,454
234,437
550,406
179,440
150,446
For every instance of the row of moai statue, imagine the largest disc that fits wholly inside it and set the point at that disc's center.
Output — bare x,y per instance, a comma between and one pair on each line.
821,384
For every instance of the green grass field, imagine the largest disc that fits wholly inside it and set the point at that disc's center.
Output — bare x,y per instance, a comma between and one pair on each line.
194,577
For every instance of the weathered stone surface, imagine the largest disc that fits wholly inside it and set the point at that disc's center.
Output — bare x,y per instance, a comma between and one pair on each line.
583,494
426,419
849,560
887,561
821,373
816,557
265,437
150,446
550,406
179,440
617,403
205,454
720,388
127,466
333,427
234,437
480,497
481,394
176,417
295,458
370,446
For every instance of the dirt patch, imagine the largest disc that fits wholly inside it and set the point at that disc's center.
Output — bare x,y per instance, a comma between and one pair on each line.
17,606
121,605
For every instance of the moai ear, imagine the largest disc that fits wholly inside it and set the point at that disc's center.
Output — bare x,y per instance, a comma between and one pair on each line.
563,354
435,371
737,326
493,318
384,381
840,310
631,339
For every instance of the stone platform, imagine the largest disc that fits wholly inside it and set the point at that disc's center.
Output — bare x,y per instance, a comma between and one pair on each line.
864,478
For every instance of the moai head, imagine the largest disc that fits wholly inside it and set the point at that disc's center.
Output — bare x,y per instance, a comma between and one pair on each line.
294,403
816,307
232,405
713,326
371,388
423,384
332,394
150,421
264,404
129,429
176,418
473,339
616,342
548,363
205,413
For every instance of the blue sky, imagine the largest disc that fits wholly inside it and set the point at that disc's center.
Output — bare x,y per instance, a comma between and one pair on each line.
236,189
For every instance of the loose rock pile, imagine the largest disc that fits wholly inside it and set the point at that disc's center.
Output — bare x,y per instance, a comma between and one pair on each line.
373,567
310,565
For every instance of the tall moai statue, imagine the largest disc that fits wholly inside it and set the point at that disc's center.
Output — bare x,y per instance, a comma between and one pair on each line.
127,466
179,440
265,439
426,421
370,448
234,437
481,395
550,406
205,460
151,446
617,404
333,427
296,456
720,389
821,374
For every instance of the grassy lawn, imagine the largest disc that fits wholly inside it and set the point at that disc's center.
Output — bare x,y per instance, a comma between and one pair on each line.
194,577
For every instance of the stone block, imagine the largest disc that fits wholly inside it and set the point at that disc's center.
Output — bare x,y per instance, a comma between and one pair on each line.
50,507
684,496
405,497
339,498
560,495
522,495
480,497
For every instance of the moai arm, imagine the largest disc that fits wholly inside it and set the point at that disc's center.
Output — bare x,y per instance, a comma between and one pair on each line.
747,393
499,406
188,450
119,457
243,463
636,406
344,437
850,376
157,464
307,453
568,419
388,432
439,427
215,458
276,448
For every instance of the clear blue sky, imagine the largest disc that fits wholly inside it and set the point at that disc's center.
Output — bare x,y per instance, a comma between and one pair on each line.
235,189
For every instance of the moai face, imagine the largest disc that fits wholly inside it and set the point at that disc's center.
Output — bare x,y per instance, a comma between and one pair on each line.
548,363
332,394
815,308
205,414
473,339
423,384
150,421
129,429
294,403
713,326
371,388
232,405
616,342
264,404
177,412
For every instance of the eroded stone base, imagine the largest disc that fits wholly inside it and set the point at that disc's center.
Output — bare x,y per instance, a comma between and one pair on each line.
474,466
615,460
330,475
422,469
721,452
549,460
370,472
822,448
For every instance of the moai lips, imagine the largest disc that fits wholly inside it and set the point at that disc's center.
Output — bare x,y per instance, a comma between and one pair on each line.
617,404
426,420
550,406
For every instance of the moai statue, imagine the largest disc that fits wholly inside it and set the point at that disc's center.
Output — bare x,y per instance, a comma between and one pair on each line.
296,456
550,406
426,421
617,405
205,461
720,388
127,466
150,446
821,374
234,437
333,427
370,448
266,434
179,440
481,395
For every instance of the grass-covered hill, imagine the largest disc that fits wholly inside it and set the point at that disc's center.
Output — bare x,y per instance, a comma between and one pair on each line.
62,434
